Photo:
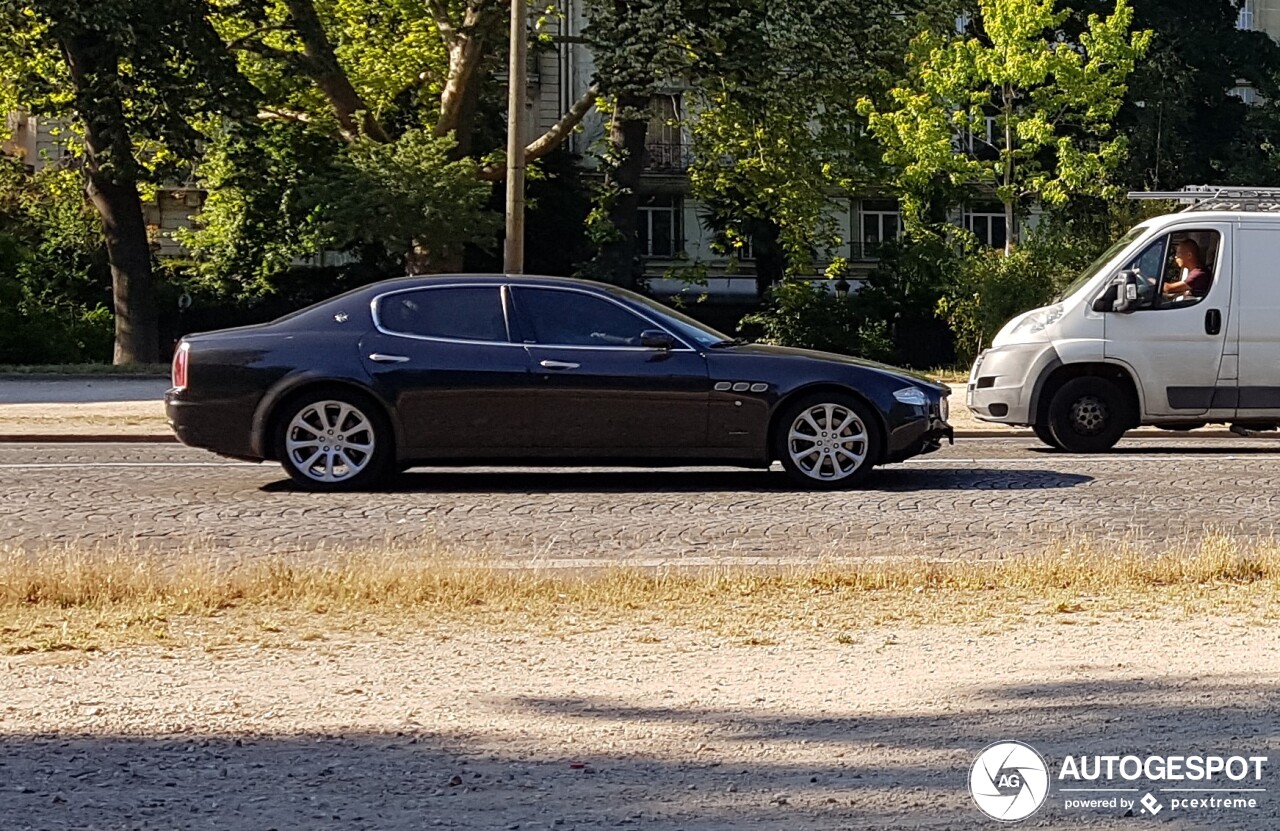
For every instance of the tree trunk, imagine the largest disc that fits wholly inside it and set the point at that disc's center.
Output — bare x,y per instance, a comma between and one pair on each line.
129,252
321,63
771,260
112,173
627,134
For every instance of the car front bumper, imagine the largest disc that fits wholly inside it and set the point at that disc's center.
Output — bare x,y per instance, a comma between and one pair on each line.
919,436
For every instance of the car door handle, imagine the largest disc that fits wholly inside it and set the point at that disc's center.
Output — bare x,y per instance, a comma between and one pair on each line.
1212,322
558,365
387,359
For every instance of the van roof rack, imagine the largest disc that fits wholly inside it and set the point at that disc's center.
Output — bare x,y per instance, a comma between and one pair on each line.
1218,198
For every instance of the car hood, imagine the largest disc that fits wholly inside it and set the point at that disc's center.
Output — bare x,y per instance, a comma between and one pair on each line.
791,353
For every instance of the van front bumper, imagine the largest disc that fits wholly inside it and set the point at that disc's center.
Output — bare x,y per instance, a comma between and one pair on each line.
1004,381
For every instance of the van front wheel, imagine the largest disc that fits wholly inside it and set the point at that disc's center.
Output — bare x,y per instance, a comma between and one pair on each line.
1088,415
1045,435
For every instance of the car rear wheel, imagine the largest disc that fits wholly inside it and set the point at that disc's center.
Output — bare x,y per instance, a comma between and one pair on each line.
827,441
333,440
1089,415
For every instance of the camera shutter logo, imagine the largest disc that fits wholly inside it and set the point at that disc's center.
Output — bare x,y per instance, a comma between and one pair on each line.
1009,781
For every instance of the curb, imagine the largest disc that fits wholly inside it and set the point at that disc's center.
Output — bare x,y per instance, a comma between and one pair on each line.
105,376
64,438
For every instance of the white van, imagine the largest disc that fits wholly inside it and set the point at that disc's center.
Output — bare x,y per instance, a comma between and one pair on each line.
1129,343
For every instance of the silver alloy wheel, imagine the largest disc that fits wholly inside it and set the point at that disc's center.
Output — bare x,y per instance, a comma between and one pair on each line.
330,441
828,442
1089,415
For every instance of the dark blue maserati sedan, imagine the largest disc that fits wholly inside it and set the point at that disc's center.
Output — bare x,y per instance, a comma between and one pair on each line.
498,369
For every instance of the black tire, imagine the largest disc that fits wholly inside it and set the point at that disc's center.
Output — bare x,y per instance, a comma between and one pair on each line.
861,439
1089,415
361,425
1045,435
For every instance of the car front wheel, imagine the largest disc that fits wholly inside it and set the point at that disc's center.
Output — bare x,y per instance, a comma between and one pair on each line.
827,441
334,440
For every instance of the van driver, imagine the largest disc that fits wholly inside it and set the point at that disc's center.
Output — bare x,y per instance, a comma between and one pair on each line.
1196,279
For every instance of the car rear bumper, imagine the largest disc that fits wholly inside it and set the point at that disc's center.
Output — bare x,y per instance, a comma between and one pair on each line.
208,426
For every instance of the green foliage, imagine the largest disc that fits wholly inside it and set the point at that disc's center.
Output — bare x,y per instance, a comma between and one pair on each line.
903,292
775,126
990,287
159,71
54,280
1181,127
1054,100
282,192
806,314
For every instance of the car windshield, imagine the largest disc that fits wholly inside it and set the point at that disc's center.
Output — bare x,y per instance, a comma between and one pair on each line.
1100,263
680,323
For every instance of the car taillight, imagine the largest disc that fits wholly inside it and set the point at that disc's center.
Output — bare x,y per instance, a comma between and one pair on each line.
180,357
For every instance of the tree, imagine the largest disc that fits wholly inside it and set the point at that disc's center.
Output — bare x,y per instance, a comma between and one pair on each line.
776,133
373,72
135,76
640,49
1053,100
1182,124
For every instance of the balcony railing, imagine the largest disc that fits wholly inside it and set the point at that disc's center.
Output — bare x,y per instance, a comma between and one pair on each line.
667,157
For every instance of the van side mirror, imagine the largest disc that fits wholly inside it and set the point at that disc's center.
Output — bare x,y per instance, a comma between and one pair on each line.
1126,292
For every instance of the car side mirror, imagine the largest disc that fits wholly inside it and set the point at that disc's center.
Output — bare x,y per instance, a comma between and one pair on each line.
656,339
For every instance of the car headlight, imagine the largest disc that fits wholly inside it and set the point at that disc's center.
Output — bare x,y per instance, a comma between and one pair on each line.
1038,321
913,396
944,409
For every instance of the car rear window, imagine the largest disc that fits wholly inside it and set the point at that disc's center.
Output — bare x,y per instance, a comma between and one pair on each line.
456,313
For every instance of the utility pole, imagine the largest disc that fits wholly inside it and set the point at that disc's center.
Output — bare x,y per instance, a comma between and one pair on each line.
517,79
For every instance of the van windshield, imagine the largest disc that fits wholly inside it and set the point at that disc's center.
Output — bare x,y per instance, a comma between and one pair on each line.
1098,264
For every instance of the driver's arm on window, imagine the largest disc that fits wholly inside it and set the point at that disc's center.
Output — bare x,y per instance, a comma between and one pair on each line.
1178,287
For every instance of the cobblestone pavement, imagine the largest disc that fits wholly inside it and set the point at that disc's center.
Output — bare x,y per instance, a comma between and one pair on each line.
982,498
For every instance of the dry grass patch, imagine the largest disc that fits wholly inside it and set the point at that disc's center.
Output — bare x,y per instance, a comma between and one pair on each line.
73,598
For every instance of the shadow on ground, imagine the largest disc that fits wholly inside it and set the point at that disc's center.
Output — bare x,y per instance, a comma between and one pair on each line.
866,771
517,480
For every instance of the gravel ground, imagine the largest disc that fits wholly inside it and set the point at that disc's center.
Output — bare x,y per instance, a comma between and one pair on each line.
636,726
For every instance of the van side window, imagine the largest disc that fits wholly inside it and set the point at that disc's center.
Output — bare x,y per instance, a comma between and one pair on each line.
1176,270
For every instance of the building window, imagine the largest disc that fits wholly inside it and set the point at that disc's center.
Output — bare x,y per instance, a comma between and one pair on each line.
984,142
1246,93
664,141
1247,15
881,223
657,226
988,225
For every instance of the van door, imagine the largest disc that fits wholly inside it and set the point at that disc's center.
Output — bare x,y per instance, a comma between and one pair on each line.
1258,326
1174,339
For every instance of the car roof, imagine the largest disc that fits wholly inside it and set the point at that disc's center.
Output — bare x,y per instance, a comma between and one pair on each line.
482,279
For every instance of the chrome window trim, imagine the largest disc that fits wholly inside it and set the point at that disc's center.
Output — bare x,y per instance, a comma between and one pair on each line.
604,296
498,287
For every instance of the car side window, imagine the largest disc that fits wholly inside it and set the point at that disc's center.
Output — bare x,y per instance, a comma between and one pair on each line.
553,317
452,313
